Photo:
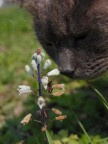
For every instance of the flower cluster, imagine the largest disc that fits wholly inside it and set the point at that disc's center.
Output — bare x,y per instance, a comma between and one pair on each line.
45,83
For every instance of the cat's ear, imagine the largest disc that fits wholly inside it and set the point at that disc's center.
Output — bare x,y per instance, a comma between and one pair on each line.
30,5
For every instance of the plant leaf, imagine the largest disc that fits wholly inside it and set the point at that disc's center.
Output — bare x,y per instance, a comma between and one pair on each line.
49,139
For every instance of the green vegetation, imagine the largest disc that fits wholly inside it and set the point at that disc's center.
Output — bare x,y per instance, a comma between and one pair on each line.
84,104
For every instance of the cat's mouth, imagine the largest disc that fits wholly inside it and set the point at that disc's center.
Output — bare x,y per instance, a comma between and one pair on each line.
76,74
68,74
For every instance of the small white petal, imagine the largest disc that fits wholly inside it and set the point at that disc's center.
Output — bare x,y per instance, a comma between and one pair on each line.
47,63
44,81
45,87
24,92
34,56
34,65
41,102
24,89
43,55
54,72
28,69
39,59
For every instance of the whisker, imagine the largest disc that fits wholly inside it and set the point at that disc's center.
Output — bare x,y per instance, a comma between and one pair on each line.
101,61
101,68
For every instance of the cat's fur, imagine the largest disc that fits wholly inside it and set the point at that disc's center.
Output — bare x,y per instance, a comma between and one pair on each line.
74,33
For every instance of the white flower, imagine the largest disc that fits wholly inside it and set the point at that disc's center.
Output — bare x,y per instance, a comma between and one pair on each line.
28,69
43,55
39,59
44,81
38,56
34,56
47,63
24,89
41,102
53,72
34,65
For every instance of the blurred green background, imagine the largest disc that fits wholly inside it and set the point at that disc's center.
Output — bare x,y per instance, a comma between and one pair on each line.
83,106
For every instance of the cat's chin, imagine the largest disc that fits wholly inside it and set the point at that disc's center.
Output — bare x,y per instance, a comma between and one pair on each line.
85,76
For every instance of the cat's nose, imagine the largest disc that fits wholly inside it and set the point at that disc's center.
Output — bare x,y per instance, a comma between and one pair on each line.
67,71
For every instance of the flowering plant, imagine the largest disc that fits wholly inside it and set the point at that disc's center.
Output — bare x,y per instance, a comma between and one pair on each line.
43,82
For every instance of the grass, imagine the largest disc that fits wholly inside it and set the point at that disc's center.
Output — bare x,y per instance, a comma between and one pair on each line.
17,44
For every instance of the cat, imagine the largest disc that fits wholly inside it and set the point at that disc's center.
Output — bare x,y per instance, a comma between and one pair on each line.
74,33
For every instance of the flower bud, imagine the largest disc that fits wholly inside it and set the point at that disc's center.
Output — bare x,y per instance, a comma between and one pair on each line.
54,72
44,81
43,55
44,128
34,65
47,63
59,93
60,118
28,69
39,59
56,111
38,51
34,56
41,102
26,119
59,86
38,56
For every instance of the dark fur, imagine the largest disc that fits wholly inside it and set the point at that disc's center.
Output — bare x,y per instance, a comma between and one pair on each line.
74,33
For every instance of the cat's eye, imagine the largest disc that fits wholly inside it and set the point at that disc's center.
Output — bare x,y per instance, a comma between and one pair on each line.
49,44
81,36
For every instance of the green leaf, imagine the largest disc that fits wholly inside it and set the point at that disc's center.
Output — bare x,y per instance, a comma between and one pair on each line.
101,96
37,140
83,129
49,139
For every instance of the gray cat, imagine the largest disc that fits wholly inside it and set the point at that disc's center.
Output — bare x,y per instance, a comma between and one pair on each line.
74,33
